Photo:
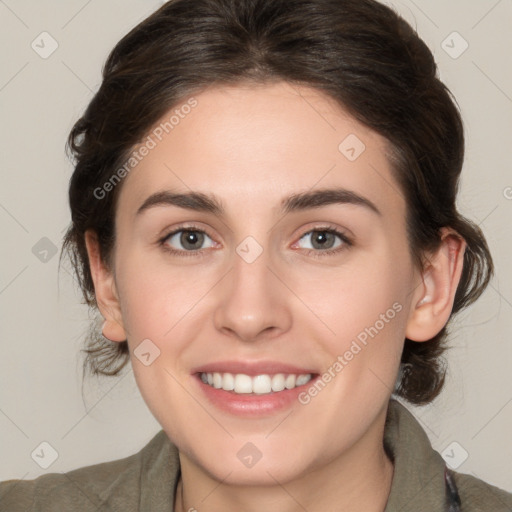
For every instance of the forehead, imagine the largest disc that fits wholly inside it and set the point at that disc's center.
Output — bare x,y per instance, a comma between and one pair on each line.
250,144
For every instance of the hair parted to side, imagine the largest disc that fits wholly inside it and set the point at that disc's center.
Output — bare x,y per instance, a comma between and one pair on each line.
359,52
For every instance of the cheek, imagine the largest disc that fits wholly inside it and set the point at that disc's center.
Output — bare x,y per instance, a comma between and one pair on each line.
156,296
363,313
370,291
160,303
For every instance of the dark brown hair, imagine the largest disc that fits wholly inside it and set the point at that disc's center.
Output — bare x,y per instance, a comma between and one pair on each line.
359,52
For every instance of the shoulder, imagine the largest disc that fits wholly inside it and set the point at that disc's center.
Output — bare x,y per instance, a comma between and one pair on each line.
88,488
81,488
421,480
479,496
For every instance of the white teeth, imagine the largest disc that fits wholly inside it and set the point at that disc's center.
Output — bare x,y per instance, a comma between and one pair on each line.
260,384
243,383
289,383
278,382
302,379
228,382
217,380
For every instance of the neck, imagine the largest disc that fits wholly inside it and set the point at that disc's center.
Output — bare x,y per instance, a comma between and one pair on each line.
359,479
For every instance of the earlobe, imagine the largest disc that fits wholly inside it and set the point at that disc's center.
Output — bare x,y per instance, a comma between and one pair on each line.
432,303
105,291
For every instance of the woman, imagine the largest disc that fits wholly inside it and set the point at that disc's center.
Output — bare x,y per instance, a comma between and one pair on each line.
263,212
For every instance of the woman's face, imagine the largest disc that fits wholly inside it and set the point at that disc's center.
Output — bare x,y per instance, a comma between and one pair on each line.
292,264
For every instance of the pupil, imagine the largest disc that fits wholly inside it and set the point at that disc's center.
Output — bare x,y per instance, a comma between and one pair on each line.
323,238
191,238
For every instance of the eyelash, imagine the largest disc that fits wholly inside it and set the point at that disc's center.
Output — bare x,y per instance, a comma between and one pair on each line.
174,252
347,242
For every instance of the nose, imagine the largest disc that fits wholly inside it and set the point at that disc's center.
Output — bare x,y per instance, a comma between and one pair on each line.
253,303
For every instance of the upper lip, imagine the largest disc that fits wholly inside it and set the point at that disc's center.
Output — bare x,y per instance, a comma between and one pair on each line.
252,368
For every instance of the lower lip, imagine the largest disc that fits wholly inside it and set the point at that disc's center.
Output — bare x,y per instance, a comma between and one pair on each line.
252,405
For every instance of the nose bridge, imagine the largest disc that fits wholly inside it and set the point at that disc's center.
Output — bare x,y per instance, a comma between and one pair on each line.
251,271
251,301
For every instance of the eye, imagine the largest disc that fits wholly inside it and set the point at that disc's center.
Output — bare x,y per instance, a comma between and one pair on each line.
187,240
327,240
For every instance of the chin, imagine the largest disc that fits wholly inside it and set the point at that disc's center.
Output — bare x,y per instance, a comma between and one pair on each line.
258,462
263,473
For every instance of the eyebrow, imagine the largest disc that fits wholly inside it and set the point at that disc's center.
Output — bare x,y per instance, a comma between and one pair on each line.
201,202
326,197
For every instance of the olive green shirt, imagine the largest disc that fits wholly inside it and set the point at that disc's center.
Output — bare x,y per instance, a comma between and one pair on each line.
146,481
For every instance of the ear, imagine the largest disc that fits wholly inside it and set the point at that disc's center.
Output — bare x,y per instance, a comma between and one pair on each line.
433,300
105,290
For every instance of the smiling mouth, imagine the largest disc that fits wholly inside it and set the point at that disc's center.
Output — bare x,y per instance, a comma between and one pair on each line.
240,383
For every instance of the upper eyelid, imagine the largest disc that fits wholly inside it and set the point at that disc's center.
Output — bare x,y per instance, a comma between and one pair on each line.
191,227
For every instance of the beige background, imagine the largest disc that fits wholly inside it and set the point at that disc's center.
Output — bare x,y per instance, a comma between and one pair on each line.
43,321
